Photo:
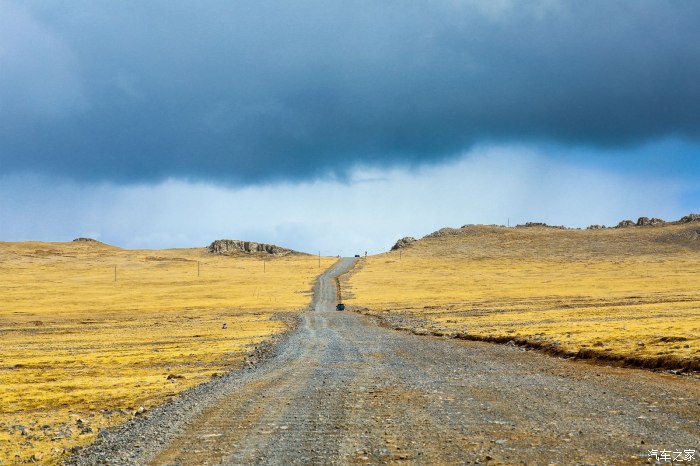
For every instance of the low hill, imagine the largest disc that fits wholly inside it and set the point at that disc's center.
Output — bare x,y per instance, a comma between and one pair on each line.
554,241
628,294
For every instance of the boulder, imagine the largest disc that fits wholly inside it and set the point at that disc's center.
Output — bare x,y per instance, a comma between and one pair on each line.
595,227
403,242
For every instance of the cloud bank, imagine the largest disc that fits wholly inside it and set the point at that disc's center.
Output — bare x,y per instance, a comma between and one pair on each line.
243,93
368,212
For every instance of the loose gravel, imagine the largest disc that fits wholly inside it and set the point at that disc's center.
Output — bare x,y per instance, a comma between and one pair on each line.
342,390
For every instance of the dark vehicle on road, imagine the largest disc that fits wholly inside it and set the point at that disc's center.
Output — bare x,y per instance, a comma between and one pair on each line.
357,255
340,307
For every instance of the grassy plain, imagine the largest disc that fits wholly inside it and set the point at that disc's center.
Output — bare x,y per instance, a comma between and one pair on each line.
80,351
631,294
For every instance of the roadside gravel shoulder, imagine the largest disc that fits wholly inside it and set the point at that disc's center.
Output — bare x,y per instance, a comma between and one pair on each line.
426,328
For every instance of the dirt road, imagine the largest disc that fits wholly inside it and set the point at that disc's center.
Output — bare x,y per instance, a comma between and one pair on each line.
344,391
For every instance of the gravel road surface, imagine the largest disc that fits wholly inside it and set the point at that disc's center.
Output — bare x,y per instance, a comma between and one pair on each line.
342,390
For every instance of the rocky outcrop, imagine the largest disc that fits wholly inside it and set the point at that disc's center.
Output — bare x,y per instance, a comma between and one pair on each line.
649,222
230,246
690,218
85,240
540,225
447,231
625,224
596,227
403,242
653,221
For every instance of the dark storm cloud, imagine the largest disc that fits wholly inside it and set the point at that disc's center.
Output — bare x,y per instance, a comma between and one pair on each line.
253,91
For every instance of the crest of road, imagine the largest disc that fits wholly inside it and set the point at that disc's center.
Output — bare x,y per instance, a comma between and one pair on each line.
343,390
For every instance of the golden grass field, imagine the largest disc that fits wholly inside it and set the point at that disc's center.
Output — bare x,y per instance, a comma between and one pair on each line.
631,294
80,351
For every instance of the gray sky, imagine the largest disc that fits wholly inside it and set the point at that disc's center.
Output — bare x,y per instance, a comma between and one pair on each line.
366,212
170,123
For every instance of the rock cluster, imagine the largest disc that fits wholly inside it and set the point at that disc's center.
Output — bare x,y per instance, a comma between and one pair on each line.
447,231
641,222
690,218
540,224
649,222
87,240
228,246
403,242
625,224
596,227
653,221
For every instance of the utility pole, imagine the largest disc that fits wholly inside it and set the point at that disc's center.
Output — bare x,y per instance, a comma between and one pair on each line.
319,259
508,221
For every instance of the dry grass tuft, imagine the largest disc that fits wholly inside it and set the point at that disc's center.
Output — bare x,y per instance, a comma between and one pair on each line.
80,351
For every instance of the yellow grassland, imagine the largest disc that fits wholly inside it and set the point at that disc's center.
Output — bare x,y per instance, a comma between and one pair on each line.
80,351
630,294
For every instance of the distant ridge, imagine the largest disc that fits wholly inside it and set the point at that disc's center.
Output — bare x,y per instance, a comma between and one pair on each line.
642,222
652,222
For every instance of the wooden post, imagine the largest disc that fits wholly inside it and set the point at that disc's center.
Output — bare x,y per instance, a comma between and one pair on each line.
198,268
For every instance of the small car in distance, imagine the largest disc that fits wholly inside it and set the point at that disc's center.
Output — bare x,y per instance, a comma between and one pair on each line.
340,307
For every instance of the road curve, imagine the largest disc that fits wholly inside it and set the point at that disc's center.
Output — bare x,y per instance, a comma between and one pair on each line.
344,391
